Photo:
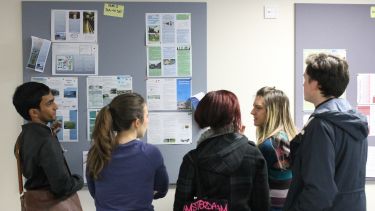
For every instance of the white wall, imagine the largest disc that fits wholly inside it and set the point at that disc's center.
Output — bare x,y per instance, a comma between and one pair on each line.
245,52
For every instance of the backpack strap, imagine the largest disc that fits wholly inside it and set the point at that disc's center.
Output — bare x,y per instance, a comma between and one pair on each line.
19,166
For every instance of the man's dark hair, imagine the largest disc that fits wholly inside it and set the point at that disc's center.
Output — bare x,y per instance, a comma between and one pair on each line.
330,72
28,96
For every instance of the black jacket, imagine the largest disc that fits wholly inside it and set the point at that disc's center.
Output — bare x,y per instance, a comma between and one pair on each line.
43,162
329,161
230,168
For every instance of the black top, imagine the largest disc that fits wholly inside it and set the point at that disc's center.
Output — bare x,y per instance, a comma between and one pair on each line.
230,168
43,162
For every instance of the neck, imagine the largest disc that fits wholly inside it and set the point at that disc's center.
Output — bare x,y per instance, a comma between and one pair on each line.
126,136
38,121
320,100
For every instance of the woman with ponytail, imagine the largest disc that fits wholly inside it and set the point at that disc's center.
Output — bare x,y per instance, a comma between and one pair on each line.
122,172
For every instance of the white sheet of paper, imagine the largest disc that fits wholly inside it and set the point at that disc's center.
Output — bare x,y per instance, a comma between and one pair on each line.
170,128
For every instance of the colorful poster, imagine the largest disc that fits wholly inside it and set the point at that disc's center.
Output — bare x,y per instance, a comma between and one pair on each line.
100,92
168,41
38,54
69,125
102,89
91,114
74,25
74,59
369,112
366,89
169,61
168,93
172,29
366,98
65,90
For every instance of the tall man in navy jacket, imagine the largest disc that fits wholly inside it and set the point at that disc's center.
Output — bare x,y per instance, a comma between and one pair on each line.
329,155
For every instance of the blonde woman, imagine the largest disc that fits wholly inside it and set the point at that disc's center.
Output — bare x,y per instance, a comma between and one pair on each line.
275,128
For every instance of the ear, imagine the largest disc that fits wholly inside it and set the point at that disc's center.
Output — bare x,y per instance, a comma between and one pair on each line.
34,113
315,84
137,123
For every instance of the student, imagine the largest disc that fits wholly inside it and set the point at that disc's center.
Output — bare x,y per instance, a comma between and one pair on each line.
230,166
275,128
124,173
329,155
41,156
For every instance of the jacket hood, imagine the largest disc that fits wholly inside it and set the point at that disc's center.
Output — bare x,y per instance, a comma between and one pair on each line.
221,151
338,112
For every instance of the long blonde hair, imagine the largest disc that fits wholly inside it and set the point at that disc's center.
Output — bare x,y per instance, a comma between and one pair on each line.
113,118
278,116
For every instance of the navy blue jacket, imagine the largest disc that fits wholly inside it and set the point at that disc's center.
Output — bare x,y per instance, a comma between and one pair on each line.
329,161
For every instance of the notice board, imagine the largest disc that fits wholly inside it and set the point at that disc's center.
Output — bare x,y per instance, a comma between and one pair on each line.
122,51
349,27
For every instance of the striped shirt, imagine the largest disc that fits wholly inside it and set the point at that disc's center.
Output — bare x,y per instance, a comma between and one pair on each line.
279,178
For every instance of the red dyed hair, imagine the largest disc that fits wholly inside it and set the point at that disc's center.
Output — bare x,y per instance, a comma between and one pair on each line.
218,109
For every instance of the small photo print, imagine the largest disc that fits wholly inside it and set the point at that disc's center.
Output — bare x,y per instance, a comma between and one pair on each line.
60,36
74,15
155,65
169,61
64,63
88,22
154,33
74,23
154,29
70,93
69,125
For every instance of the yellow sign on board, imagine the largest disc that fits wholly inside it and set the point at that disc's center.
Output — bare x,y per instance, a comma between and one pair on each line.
372,12
114,10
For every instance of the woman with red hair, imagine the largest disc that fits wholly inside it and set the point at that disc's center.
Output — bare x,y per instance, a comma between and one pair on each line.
231,168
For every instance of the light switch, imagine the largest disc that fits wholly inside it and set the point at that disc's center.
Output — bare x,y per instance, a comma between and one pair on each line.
271,12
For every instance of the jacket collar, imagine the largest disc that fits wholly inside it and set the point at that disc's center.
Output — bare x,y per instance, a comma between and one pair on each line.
210,133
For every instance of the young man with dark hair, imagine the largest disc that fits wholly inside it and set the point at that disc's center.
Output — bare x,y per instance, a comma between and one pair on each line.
42,160
329,155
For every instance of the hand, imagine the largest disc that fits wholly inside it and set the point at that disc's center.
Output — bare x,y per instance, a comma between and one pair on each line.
55,127
242,129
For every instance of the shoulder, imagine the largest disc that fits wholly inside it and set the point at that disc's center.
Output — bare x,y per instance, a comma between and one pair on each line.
251,148
151,152
266,145
319,130
281,135
242,141
36,129
148,149
36,133
190,155
318,123
267,142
